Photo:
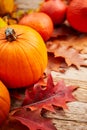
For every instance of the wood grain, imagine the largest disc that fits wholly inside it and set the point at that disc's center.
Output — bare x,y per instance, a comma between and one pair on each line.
75,118
27,4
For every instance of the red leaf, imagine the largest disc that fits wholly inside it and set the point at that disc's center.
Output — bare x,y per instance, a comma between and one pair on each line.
33,120
13,124
51,95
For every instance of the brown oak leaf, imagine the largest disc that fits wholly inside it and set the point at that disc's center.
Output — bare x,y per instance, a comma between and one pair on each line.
65,35
71,56
56,64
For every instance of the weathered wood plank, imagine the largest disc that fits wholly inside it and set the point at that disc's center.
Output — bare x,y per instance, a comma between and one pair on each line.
27,4
81,95
69,125
73,76
75,118
77,112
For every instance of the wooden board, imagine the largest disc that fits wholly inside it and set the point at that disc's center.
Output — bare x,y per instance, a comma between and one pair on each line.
76,117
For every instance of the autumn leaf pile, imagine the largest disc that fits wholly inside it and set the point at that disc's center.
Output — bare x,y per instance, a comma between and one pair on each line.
33,104
66,48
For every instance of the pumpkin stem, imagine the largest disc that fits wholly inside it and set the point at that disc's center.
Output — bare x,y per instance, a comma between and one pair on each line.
10,34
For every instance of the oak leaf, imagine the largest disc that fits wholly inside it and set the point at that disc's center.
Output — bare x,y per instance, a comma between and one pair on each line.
49,96
33,120
56,64
44,95
71,55
63,32
70,37
13,124
69,44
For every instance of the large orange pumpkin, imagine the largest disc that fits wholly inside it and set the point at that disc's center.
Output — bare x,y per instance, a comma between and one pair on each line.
23,56
4,102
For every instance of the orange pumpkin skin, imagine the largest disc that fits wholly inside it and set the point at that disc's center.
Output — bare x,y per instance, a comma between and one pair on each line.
23,60
39,21
4,103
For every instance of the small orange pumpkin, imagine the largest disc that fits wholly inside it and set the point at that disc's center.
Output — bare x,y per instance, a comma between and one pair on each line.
4,103
39,21
23,56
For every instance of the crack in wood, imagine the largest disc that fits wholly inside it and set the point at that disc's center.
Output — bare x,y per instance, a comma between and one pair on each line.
77,121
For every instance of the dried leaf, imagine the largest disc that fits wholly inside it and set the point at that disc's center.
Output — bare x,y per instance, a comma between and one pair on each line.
49,96
56,64
13,124
70,55
63,31
33,120
65,35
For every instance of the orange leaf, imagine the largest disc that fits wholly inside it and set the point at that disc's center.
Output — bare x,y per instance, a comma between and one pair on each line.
65,35
56,64
70,55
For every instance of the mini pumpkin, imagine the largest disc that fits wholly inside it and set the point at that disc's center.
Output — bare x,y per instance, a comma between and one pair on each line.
4,102
23,56
39,21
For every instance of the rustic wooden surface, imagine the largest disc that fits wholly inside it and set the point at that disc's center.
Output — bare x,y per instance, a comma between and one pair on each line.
75,118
